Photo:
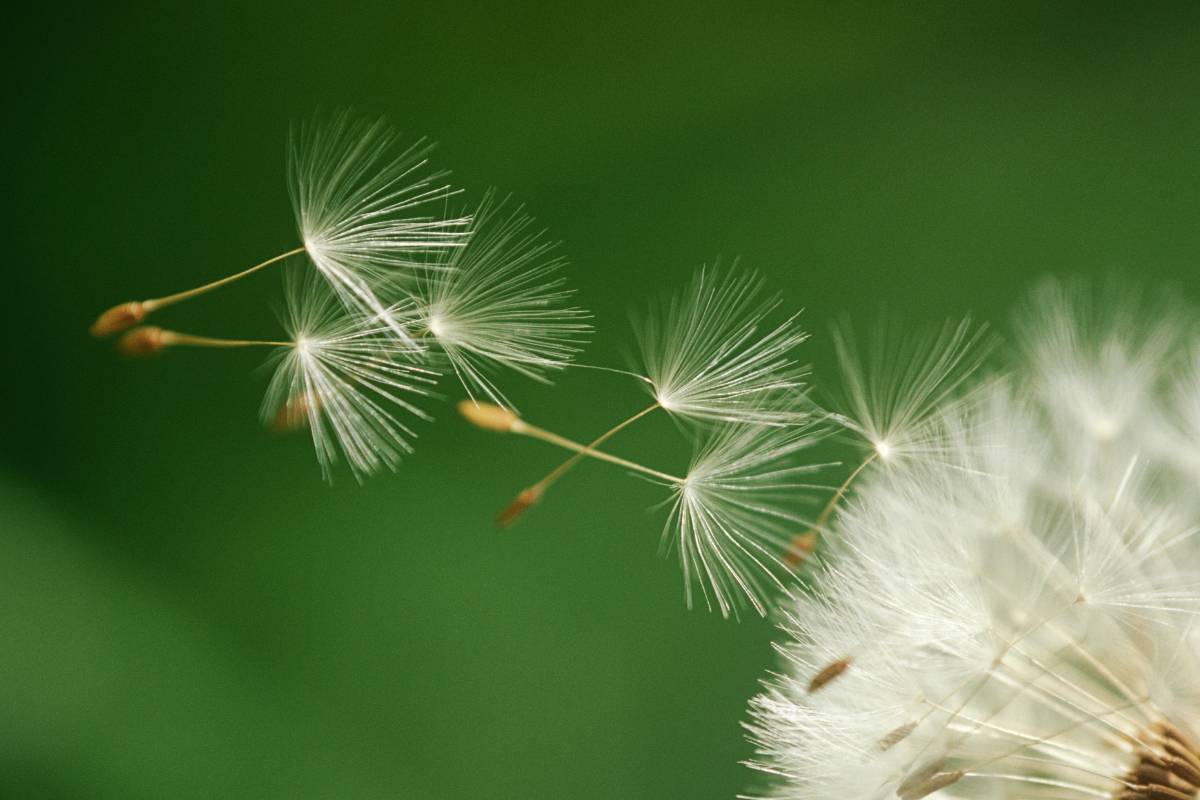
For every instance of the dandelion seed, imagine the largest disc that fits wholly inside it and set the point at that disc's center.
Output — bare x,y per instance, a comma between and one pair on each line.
1021,614
141,342
360,205
349,376
734,513
898,393
709,354
730,514
1103,375
500,302
895,391
707,360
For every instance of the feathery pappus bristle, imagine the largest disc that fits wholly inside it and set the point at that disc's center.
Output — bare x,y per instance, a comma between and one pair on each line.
353,377
734,516
895,389
710,354
363,208
500,302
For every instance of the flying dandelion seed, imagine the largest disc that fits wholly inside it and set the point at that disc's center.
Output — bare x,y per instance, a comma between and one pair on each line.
896,394
341,374
708,357
895,389
358,199
501,302
709,353
731,516
1017,618
347,377
362,206
735,513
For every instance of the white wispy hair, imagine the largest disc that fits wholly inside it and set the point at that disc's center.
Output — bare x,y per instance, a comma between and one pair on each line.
894,389
347,375
500,302
709,354
1102,357
1015,621
1183,417
734,515
363,207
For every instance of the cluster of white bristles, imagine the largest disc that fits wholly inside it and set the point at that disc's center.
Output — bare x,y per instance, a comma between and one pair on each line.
1009,609
384,295
1006,603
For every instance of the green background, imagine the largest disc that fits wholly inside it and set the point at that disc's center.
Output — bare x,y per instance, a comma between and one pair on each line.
186,611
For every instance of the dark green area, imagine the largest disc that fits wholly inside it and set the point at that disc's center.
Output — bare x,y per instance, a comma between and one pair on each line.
187,612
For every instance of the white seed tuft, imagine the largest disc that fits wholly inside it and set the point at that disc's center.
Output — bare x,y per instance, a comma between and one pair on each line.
348,376
710,354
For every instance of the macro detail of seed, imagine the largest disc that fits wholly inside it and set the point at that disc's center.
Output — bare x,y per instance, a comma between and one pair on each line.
117,319
1169,769
827,674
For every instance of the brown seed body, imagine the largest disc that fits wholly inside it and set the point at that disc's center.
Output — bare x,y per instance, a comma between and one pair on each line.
294,413
142,342
1168,770
513,511
935,783
801,548
487,416
897,736
117,319
828,673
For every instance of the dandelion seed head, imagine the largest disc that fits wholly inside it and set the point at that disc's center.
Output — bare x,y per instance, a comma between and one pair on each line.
1015,618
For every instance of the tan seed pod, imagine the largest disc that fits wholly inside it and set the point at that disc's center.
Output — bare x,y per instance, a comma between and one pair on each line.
142,342
513,511
117,319
828,673
488,416
294,413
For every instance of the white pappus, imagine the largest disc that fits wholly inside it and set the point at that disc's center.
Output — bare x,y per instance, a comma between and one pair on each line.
1016,619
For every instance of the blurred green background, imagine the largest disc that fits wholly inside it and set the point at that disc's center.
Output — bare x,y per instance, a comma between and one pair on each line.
186,611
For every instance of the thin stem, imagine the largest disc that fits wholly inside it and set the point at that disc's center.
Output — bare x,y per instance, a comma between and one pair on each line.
186,339
640,377
839,494
531,495
178,297
803,543
587,450
584,450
